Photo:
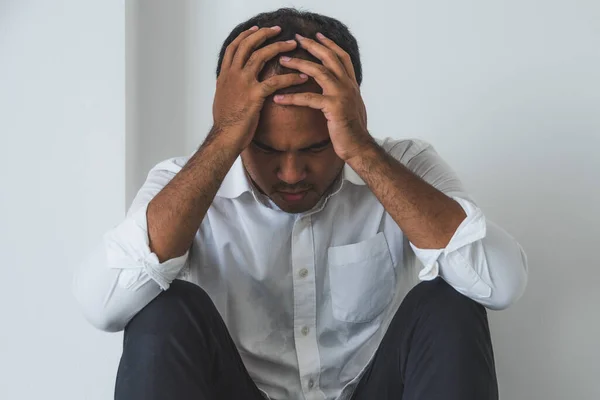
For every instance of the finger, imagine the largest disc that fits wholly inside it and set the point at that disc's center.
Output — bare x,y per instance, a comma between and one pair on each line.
323,76
232,48
312,100
259,58
250,43
276,82
329,59
341,53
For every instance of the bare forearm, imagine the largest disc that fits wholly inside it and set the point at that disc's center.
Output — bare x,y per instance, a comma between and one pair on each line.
177,211
427,216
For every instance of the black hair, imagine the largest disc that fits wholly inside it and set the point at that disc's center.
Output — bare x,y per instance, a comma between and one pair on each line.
305,23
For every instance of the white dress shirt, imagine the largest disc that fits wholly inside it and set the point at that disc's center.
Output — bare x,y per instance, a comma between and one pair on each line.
306,297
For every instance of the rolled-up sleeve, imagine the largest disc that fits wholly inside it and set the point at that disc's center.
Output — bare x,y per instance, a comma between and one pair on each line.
128,249
122,275
481,260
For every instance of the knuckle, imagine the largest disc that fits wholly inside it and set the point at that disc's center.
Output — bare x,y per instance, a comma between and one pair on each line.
268,85
252,60
244,43
331,54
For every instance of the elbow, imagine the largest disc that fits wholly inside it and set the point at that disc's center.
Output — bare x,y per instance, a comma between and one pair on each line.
93,287
508,268
105,321
113,283
503,298
101,317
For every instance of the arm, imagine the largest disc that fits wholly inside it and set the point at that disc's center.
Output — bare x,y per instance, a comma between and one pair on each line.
450,229
478,258
148,250
426,216
175,214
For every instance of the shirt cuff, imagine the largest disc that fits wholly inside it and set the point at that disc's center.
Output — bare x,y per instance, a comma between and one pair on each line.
128,249
471,229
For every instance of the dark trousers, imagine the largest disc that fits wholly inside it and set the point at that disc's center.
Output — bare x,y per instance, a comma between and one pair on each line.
437,347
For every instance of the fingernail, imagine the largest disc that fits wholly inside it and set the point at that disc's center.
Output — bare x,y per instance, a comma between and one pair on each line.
278,97
276,27
303,76
285,58
291,41
254,28
300,37
320,35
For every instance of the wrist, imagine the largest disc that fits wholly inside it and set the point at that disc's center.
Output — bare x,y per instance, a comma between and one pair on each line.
228,138
368,150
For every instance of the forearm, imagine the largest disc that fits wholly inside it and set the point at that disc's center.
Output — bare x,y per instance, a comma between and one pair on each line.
426,216
174,215
140,257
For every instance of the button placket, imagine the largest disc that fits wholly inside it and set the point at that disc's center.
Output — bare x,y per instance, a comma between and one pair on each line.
305,307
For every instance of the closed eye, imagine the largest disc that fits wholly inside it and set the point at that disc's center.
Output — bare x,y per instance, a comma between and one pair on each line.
264,148
315,149
319,147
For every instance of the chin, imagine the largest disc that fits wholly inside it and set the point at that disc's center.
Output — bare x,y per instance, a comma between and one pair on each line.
294,209
297,208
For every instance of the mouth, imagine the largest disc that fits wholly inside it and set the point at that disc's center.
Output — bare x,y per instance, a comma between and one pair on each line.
292,197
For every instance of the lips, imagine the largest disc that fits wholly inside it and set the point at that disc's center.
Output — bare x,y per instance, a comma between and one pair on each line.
293,196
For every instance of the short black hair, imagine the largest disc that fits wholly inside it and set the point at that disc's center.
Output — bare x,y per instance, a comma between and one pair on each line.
305,23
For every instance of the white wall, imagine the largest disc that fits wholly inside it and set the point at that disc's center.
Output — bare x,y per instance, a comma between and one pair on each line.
507,91
62,138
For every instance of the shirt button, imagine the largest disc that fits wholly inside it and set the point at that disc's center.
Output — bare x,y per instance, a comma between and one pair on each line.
305,330
311,383
303,273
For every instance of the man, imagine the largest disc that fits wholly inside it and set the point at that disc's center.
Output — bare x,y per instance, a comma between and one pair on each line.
293,256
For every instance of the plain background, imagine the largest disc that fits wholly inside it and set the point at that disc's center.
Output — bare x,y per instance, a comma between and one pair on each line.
507,91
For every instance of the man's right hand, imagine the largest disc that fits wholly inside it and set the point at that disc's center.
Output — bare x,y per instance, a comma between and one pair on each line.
239,96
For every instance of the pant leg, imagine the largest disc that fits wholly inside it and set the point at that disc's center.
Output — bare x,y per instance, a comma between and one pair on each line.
438,347
178,347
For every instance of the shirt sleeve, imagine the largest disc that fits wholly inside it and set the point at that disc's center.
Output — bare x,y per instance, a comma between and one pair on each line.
122,274
481,261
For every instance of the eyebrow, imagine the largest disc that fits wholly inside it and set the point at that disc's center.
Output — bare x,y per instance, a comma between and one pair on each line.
314,146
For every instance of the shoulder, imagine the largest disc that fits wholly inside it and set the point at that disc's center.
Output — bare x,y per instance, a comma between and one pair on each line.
172,165
404,150
158,177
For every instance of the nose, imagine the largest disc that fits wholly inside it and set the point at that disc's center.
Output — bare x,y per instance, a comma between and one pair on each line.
291,169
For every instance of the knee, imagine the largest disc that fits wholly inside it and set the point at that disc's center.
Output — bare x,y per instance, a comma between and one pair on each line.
441,304
171,311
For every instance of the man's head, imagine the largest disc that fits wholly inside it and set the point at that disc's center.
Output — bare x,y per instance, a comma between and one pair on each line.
291,151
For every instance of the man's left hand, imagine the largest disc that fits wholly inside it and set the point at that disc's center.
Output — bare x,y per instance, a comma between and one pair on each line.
341,102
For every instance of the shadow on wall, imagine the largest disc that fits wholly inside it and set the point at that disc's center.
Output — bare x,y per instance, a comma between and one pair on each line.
156,92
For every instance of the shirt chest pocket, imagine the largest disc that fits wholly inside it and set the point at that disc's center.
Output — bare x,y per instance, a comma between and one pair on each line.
361,279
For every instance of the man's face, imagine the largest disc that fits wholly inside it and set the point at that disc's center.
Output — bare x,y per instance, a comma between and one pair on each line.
291,158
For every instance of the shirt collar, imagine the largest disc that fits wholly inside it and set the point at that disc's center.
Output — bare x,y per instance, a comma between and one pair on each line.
236,181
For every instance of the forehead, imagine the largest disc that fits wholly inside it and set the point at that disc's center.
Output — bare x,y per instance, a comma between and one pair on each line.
290,127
